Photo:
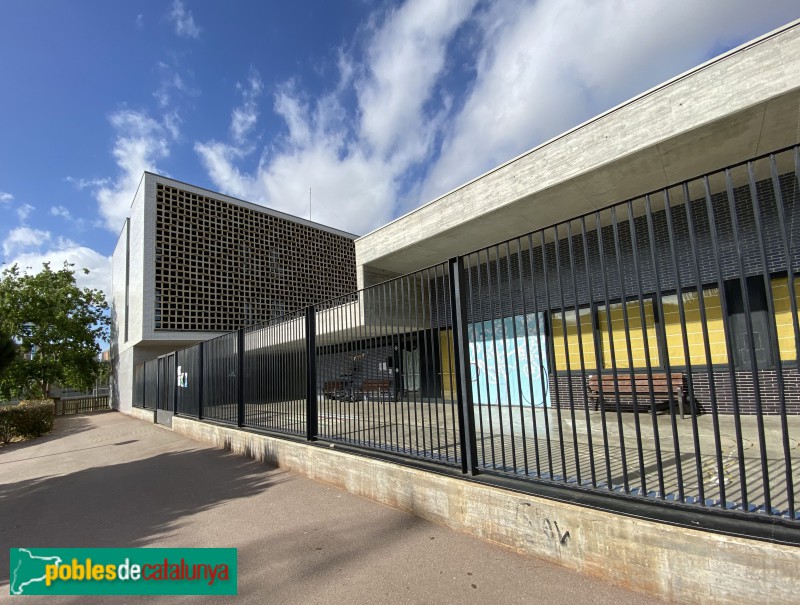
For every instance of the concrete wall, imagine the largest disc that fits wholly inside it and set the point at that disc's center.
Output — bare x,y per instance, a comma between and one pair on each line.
137,252
682,565
122,380
119,286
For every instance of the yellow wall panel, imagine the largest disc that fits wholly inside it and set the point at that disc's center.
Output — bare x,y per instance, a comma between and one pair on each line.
694,328
573,343
783,316
633,340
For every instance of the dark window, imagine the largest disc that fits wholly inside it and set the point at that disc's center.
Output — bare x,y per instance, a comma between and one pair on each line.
737,320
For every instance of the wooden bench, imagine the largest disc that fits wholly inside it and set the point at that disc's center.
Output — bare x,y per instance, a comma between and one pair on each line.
604,388
332,388
381,386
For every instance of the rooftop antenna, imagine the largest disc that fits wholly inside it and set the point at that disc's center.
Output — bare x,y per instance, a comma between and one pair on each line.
309,203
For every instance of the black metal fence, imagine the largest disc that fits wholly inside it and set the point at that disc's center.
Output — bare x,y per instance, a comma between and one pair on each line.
379,376
647,350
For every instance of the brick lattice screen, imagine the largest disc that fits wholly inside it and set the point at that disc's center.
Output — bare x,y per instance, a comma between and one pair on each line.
221,266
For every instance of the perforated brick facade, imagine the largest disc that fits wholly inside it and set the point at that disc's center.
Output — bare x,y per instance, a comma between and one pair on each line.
220,266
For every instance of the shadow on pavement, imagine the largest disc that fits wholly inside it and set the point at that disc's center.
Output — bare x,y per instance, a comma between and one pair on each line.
131,504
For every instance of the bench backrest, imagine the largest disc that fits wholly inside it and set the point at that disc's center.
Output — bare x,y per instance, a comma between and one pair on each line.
640,383
374,385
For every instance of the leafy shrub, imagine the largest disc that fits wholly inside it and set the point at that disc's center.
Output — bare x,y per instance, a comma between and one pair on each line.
6,425
28,420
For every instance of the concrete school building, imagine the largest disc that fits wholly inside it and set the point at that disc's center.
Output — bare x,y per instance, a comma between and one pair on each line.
191,264
507,330
182,270
684,276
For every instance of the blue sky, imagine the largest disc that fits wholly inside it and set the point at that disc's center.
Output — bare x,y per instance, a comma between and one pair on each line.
377,107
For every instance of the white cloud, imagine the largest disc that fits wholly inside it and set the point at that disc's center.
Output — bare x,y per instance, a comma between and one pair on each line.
24,238
56,253
80,184
61,211
24,211
141,141
352,162
405,59
172,84
419,109
244,117
5,197
140,20
76,223
547,66
184,21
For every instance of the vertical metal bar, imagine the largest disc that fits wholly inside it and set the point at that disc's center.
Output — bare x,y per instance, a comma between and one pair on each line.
396,319
422,336
201,380
598,364
386,406
516,356
368,402
613,354
544,381
326,352
240,378
387,409
487,405
631,369
712,389
497,360
549,306
787,252
666,361
415,344
732,208
312,426
409,342
506,356
521,270
581,360
336,424
433,362
562,304
646,344
441,311
175,384
466,425
453,374
353,415
728,341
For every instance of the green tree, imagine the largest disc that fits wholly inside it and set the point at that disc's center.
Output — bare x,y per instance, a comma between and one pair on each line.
8,351
56,325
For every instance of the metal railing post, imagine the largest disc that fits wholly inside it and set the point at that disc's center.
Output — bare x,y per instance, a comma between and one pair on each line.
175,390
240,377
200,380
466,426
312,427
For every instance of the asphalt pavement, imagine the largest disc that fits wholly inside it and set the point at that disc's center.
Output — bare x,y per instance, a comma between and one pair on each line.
107,480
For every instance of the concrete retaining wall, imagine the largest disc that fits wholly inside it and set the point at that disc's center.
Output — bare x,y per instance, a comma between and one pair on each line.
141,414
683,565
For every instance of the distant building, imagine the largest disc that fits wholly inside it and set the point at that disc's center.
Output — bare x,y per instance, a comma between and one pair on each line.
191,264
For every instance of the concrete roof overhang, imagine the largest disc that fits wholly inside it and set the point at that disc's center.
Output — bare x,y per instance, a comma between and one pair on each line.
732,108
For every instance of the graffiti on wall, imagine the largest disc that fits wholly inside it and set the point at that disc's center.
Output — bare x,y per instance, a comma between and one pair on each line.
509,361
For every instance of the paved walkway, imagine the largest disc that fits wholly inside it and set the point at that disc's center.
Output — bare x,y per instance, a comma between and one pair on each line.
106,480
